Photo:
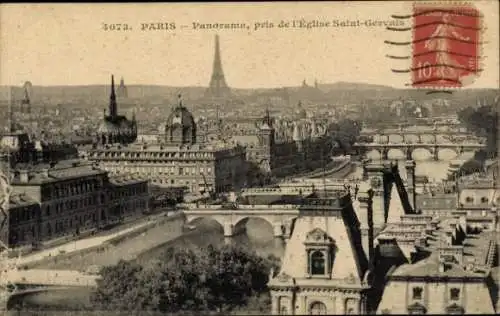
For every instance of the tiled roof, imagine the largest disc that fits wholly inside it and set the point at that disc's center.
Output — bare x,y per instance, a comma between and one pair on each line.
429,267
475,251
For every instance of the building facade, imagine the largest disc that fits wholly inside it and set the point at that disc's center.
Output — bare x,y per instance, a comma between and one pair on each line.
454,279
68,198
325,268
278,148
177,160
127,198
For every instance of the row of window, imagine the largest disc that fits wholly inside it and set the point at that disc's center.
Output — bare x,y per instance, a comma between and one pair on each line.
132,206
483,199
417,293
27,233
319,308
174,170
60,207
144,155
128,191
24,233
67,189
23,214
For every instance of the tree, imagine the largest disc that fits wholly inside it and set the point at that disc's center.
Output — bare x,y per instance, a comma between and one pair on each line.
185,280
483,121
345,133
119,287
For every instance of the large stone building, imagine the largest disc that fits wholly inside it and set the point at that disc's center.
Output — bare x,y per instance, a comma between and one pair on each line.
177,160
16,146
453,277
68,198
325,269
116,128
281,148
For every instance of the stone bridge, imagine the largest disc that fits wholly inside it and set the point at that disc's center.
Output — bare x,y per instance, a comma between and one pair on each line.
15,283
409,148
434,136
279,217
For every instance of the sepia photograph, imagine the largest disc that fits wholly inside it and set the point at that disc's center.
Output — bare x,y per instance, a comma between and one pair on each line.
249,158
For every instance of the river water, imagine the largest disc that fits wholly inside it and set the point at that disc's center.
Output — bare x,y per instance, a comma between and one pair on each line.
258,237
425,165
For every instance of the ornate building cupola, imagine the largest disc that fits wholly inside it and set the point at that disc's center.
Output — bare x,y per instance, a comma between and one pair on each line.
116,128
180,128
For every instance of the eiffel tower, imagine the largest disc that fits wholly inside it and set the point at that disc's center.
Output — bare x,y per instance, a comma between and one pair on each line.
218,87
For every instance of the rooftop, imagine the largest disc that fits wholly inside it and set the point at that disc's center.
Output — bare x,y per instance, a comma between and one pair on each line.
158,147
63,170
476,253
125,179
430,267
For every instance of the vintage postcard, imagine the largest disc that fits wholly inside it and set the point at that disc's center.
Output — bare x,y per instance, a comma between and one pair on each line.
260,158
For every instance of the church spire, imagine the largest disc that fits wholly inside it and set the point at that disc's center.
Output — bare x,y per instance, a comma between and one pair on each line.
179,98
267,117
112,99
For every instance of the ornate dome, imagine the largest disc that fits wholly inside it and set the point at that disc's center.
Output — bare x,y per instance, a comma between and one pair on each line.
180,127
180,116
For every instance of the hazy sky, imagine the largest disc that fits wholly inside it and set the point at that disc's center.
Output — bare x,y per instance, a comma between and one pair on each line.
51,44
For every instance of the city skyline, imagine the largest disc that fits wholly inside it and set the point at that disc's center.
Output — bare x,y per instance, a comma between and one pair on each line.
85,54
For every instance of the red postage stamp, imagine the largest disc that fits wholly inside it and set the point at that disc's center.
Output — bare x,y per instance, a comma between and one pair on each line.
446,45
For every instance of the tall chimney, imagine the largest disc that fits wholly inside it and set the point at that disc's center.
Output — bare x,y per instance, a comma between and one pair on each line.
366,204
410,180
371,249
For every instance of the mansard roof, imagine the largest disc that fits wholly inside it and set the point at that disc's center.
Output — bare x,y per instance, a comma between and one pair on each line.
349,260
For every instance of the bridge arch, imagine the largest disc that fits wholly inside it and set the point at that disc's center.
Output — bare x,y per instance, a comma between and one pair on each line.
396,153
374,153
447,153
210,221
422,153
13,301
274,229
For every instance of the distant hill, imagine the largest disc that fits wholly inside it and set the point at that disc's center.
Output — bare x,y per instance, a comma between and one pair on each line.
138,91
99,91
339,92
341,85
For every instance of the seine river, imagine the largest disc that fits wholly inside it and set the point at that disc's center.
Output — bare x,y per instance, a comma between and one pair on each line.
258,237
425,165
